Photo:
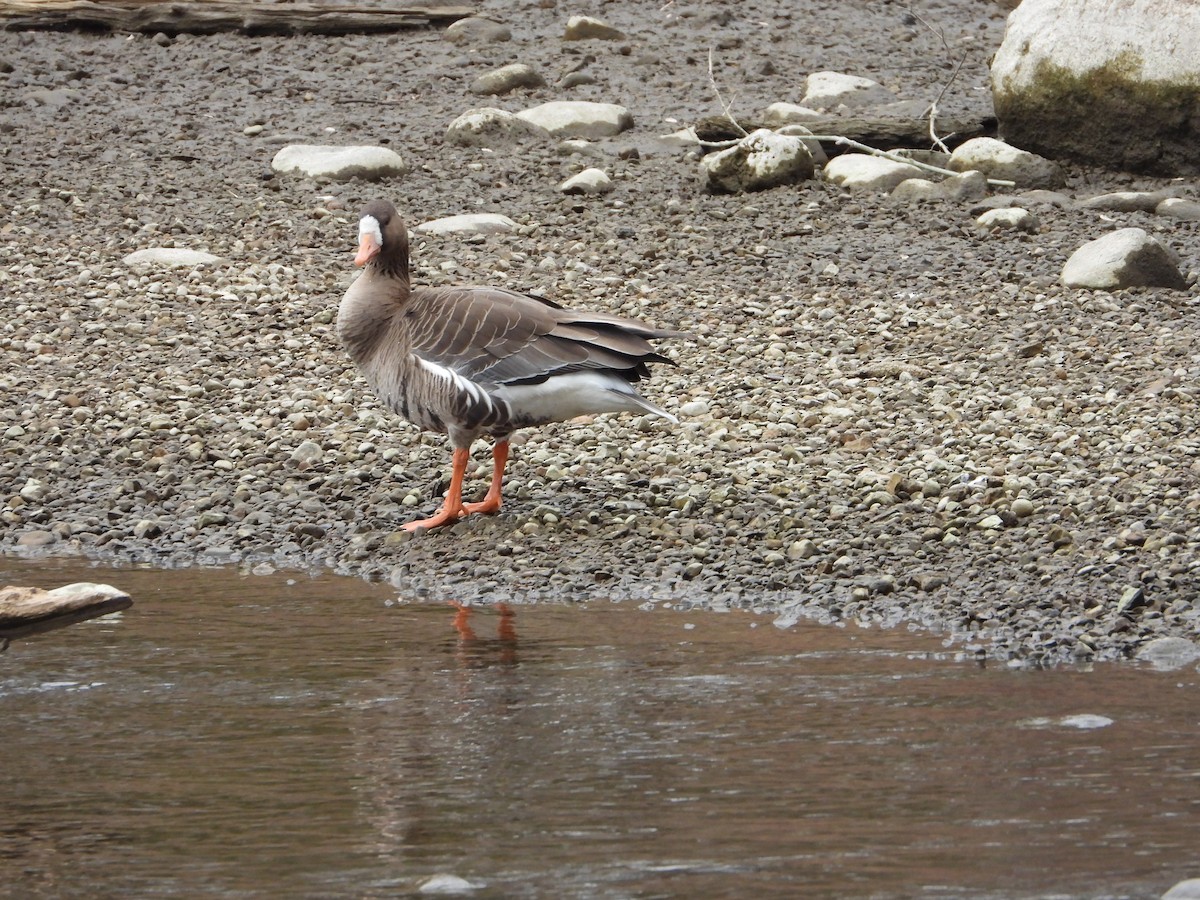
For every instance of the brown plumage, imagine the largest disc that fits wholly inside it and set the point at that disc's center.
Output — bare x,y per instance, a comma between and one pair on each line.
476,361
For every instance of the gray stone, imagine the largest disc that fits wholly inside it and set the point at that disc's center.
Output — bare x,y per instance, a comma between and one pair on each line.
1184,890
997,159
1012,218
1126,258
1125,201
778,114
583,28
339,163
1178,208
863,172
1169,653
169,257
761,160
1113,84
507,78
826,90
491,127
579,118
471,223
966,186
589,181
476,30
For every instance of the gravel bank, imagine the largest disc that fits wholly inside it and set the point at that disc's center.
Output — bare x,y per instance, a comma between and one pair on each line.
887,417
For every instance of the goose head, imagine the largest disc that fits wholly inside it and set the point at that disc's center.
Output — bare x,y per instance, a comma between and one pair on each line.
382,237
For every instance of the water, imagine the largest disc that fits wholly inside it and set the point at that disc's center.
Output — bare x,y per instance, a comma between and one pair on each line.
249,736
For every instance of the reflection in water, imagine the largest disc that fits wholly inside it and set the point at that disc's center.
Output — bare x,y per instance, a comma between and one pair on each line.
250,735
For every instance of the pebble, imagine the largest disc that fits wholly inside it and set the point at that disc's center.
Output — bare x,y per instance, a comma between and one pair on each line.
507,78
338,163
1127,257
589,181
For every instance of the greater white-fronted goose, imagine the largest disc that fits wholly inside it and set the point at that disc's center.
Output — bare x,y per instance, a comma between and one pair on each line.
474,361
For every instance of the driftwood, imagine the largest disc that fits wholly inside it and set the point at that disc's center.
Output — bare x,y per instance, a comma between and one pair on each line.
880,133
26,610
254,17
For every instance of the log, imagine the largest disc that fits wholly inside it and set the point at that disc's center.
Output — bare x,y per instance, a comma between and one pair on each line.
26,610
880,133
255,17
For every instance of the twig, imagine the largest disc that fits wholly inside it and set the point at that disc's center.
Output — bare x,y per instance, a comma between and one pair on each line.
725,107
938,142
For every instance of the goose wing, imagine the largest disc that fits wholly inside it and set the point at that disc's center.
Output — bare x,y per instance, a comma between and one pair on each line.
497,336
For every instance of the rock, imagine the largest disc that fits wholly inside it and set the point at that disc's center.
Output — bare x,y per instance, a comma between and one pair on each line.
997,159
1184,890
826,90
35,540
1113,84
815,150
1022,508
589,181
447,884
1168,653
579,118
964,187
1126,258
339,163
1012,218
28,610
507,78
169,257
761,160
1178,208
684,137
863,172
583,28
50,98
490,127
476,30
471,223
578,147
778,114
307,453
1125,201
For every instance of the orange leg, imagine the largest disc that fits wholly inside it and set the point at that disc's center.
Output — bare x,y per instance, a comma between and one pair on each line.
491,500
452,507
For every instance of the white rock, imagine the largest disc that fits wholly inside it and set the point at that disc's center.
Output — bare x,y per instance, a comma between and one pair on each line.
1184,890
761,160
491,127
582,28
1102,82
815,150
1168,653
863,172
339,163
476,30
169,257
996,159
787,113
589,181
1125,258
829,89
1125,201
1010,218
965,186
447,884
507,78
472,223
694,408
684,137
579,118
1178,208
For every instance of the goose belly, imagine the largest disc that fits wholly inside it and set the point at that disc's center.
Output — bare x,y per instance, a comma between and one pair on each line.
563,397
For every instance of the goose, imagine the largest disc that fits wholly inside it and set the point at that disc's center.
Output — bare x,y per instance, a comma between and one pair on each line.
472,362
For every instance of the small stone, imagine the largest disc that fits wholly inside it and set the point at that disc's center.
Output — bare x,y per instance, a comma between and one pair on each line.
1168,653
579,118
469,223
589,181
35,540
802,549
170,257
780,114
507,78
826,90
1125,201
990,523
252,130
582,28
694,408
1178,208
761,160
1022,508
476,30
307,453
1128,257
339,163
491,127
1012,218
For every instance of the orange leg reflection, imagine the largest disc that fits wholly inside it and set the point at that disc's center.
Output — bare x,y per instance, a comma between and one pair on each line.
502,649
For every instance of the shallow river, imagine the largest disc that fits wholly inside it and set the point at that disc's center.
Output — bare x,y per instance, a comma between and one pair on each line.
287,736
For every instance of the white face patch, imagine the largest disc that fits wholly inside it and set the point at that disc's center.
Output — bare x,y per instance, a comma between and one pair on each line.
369,225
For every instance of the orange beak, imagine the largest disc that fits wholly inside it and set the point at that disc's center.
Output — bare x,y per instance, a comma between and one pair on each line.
368,248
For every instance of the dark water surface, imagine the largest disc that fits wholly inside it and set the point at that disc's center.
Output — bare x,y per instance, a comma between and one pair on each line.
271,736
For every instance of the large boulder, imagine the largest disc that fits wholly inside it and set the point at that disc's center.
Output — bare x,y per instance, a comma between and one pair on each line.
1117,84
761,160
